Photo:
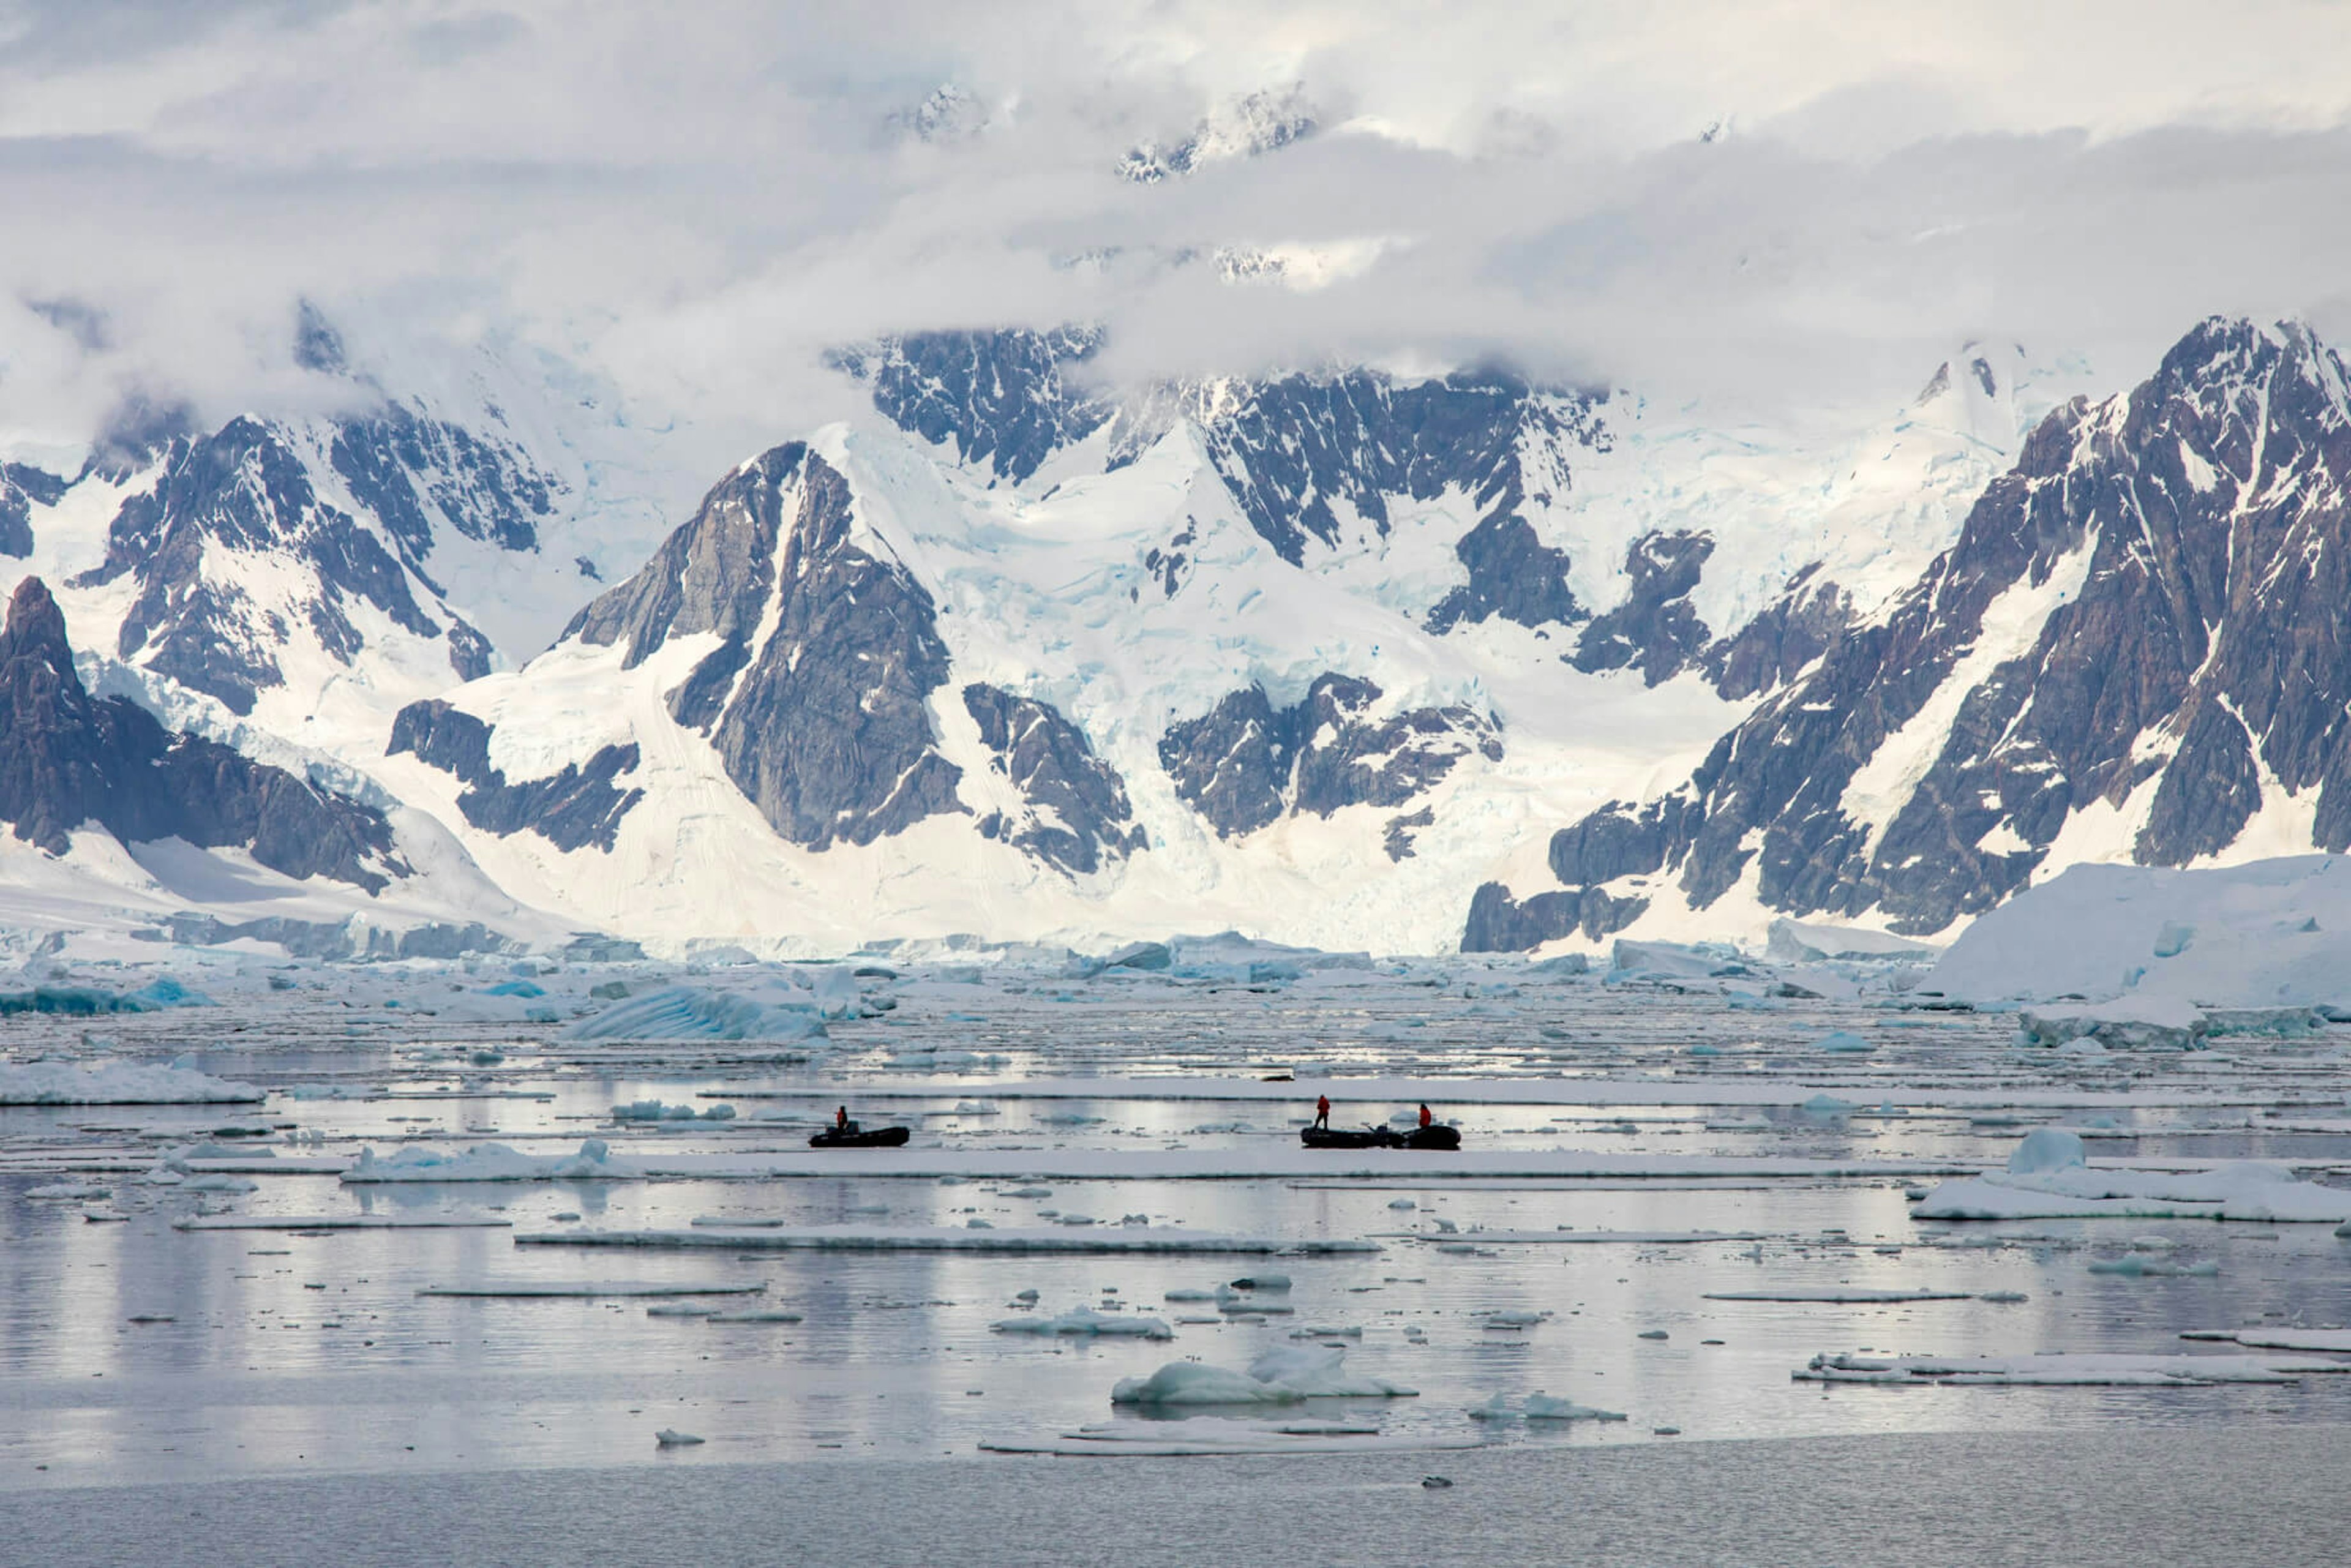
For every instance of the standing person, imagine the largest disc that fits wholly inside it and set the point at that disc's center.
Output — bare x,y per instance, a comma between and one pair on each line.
1322,1111
1424,1117
840,1119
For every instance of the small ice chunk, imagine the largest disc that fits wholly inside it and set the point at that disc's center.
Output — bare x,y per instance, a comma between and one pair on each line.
2047,1149
668,1438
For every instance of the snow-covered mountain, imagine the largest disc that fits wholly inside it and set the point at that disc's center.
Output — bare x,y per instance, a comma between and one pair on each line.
2139,648
1329,656
1313,654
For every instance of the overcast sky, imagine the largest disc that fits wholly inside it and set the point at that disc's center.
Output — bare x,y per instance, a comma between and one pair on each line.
695,200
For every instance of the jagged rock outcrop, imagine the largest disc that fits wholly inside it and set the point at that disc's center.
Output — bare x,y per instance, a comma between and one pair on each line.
1002,398
68,760
822,726
1245,764
571,810
1261,122
23,487
1296,452
1771,650
243,495
1655,627
2149,617
1077,812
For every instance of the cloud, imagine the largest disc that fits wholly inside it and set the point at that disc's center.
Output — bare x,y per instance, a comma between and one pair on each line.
696,202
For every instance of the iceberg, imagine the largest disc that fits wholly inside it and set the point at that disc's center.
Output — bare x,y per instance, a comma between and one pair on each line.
117,1083
779,1016
490,1161
1283,1375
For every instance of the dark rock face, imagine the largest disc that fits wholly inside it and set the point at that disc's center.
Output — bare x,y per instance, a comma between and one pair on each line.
1078,812
67,760
1001,397
1292,450
1498,925
1512,574
2191,546
571,810
399,464
1397,840
244,490
23,487
824,726
1289,448
1244,764
1655,627
715,574
1771,650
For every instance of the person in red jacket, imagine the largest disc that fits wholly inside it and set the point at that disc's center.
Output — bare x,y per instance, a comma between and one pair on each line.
840,1119
1424,1117
1322,1111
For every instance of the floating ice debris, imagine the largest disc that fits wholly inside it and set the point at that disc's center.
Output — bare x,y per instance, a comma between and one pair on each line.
685,1310
655,1111
1439,1483
1653,1334
1274,1282
343,1222
779,1015
1538,1406
2048,1178
2135,1266
2058,1370
2002,1298
1836,1293
2334,1340
1404,1203
1605,1238
754,1317
490,1161
1513,1318
116,1083
79,1191
1826,1106
1206,1435
1844,1042
947,1239
1285,1374
668,1438
219,1181
536,1289
1088,1321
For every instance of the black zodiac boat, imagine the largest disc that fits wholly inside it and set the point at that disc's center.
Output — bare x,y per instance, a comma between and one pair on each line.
1430,1137
852,1137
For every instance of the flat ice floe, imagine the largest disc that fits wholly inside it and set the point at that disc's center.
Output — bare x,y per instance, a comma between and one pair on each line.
117,1083
1286,1374
1112,1240
534,1290
2061,1370
1539,1406
1846,1295
2333,1340
340,1222
1087,1322
1590,1238
2048,1178
491,1162
1204,1436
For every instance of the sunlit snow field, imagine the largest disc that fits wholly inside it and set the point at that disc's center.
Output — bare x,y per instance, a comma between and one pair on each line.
1630,1151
